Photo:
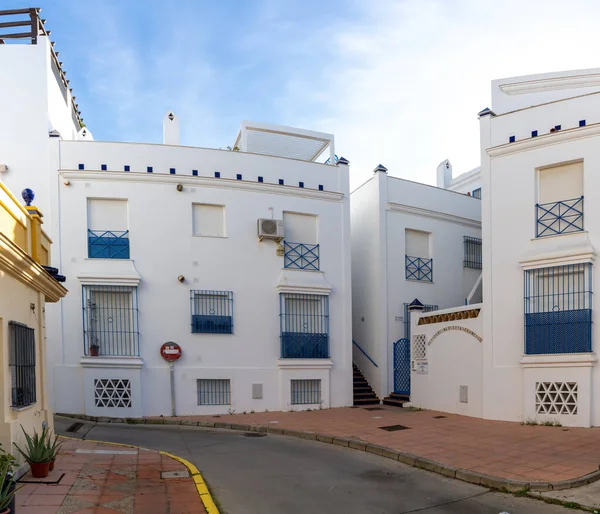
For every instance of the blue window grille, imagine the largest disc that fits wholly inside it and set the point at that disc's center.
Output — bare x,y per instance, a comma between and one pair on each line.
472,257
22,364
477,193
418,268
562,217
212,312
107,244
306,392
426,308
301,256
110,320
558,309
304,323
214,391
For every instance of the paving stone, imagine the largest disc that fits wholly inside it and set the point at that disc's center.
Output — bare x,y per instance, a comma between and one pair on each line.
74,504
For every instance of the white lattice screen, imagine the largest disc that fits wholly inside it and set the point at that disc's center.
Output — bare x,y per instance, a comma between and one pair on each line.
556,397
112,392
419,346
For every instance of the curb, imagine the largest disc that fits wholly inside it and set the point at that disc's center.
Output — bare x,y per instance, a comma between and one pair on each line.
195,474
465,475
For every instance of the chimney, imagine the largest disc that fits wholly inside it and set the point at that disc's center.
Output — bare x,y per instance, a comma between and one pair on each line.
444,174
170,129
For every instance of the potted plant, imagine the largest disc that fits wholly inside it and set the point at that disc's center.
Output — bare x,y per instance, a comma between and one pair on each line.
54,448
94,348
38,453
7,484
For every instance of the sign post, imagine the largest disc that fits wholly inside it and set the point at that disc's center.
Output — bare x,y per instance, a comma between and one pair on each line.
170,352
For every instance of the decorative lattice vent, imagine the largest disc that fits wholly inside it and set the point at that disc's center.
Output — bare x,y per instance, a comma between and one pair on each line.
112,392
556,397
419,346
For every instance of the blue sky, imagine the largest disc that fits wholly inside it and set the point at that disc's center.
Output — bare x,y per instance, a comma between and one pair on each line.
397,81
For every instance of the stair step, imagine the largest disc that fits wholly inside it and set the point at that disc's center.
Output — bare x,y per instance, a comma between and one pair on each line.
365,394
397,396
370,401
394,403
363,389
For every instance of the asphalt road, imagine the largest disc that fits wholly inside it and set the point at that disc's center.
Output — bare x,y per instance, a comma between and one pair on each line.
284,475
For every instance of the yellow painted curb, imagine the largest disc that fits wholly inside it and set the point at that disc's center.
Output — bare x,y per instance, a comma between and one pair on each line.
201,487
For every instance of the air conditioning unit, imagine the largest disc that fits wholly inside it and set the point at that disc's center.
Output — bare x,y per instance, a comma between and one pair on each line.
270,229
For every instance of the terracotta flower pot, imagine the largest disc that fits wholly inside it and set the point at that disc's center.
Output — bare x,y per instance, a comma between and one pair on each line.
7,511
39,469
94,351
51,467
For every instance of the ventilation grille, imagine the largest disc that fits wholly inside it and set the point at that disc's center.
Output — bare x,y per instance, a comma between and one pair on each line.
556,398
112,392
419,346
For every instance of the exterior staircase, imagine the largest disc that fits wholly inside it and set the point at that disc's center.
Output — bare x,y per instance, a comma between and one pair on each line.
363,392
396,400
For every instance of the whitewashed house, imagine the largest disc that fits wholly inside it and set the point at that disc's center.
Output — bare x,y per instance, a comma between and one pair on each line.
410,241
241,257
468,183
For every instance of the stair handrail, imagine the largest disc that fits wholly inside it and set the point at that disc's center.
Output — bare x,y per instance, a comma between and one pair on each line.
364,353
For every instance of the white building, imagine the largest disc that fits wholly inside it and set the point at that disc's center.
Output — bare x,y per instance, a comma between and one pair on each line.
409,241
160,243
468,183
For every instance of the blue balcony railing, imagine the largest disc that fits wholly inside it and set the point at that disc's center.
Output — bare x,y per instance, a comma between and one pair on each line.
106,244
304,321
300,345
562,217
418,268
301,256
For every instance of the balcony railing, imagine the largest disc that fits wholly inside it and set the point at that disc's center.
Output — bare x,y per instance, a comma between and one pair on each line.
106,244
301,256
562,217
300,345
304,320
418,268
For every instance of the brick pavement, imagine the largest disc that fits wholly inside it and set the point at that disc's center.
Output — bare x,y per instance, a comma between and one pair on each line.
109,479
501,449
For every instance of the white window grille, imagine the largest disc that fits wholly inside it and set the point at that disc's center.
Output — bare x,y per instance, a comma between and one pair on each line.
556,398
112,392
419,347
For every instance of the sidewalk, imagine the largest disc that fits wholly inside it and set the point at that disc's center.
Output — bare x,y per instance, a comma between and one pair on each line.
107,479
500,449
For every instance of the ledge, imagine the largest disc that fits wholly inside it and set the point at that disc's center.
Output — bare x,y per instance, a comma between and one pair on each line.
109,272
304,363
563,360
112,362
301,281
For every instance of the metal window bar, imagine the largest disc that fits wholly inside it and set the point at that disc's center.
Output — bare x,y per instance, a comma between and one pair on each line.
22,364
477,193
108,244
110,320
304,324
418,268
472,251
213,391
562,217
212,312
306,392
426,308
301,256
558,309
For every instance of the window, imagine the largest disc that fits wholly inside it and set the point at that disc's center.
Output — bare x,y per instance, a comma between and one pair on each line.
214,391
418,264
304,323
22,364
208,220
301,250
560,200
558,309
472,250
306,392
212,312
110,320
477,193
108,235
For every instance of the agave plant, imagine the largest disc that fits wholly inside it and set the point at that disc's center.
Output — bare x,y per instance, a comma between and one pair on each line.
39,447
7,486
53,445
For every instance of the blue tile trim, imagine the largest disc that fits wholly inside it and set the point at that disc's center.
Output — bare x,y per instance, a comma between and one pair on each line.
149,169
320,187
103,167
557,127
81,167
195,173
281,182
238,176
582,123
300,184
172,171
217,174
260,179
127,168
534,133
511,139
